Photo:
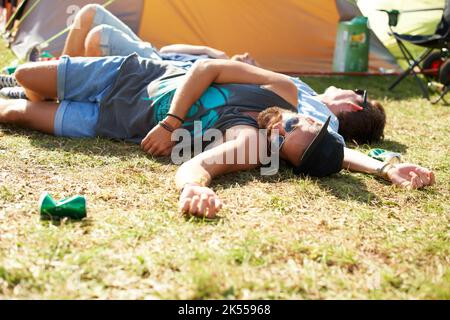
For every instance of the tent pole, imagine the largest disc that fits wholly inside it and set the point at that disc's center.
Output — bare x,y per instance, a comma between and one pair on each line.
13,17
28,13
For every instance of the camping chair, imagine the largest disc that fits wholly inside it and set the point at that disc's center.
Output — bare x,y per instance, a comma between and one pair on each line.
439,40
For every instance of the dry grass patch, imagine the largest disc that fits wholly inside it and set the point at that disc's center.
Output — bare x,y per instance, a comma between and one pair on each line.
279,237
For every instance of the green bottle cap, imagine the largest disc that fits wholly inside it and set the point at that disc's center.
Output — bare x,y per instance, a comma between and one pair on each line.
73,207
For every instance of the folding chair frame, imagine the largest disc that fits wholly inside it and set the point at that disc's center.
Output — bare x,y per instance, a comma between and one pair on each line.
412,62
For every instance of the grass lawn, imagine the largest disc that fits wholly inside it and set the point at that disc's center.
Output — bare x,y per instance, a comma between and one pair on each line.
280,237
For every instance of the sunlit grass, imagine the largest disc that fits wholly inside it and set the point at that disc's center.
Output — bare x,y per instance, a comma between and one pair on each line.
345,236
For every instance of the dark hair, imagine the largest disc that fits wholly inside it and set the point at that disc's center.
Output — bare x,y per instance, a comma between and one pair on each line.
364,126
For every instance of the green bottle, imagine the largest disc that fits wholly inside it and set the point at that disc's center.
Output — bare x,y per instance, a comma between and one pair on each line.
73,207
351,52
385,156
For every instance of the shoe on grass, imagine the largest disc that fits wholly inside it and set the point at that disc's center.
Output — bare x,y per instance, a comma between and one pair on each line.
7,81
13,93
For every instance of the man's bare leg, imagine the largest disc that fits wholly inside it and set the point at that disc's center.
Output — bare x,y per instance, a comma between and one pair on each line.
75,43
39,79
32,115
92,44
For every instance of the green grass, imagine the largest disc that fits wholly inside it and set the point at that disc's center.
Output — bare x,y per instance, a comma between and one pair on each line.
280,237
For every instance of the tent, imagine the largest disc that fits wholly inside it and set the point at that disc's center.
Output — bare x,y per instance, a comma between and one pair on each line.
417,23
291,36
38,21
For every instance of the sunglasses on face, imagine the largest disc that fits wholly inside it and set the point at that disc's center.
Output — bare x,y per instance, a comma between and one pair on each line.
289,125
363,94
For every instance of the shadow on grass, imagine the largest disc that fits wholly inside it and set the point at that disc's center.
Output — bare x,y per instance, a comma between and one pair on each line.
386,144
85,223
348,187
95,146
343,186
391,146
245,177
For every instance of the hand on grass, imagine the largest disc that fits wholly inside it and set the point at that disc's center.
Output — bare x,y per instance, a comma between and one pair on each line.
158,142
410,176
199,201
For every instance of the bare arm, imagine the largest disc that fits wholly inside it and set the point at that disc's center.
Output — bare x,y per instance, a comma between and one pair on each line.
201,75
356,161
194,50
195,175
206,72
405,175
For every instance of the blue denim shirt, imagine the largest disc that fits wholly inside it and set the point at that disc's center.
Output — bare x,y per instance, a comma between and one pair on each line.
308,104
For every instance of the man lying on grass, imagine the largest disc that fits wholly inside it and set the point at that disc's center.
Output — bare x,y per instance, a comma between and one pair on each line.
220,104
97,32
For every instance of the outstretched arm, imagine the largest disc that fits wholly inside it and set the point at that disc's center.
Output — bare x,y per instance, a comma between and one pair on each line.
405,175
194,50
201,75
195,175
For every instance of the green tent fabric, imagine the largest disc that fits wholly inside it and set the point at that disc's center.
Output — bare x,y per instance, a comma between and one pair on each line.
417,23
